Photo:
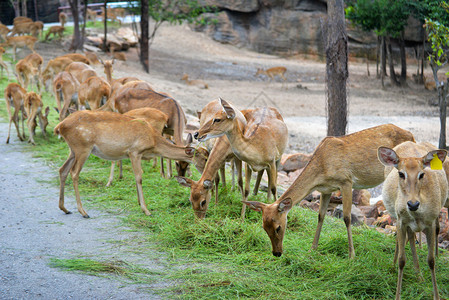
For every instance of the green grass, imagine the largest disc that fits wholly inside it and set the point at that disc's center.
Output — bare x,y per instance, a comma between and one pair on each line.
223,258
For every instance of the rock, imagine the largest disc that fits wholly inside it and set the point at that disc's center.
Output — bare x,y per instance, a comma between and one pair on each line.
384,221
311,205
244,6
370,221
293,162
357,217
369,211
127,34
293,175
361,197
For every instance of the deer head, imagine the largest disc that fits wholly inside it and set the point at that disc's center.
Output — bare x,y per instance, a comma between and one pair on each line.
220,123
199,194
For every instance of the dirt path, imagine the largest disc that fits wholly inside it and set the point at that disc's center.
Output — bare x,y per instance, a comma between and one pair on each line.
33,230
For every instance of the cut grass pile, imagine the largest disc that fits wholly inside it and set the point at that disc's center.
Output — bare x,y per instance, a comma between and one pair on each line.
222,257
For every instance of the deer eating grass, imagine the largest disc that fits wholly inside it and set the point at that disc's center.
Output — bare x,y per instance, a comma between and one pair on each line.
338,163
21,42
415,193
259,141
112,136
33,107
14,97
55,30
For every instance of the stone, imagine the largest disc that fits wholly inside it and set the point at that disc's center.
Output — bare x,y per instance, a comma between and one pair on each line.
361,197
369,211
311,205
384,221
357,216
294,162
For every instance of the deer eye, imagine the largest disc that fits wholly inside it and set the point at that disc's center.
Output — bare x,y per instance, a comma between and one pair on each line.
217,120
421,176
401,175
278,229
203,203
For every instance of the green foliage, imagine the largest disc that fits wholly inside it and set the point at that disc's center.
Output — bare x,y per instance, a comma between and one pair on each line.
438,37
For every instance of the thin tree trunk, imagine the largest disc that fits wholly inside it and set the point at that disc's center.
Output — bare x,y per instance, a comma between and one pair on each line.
16,6
336,69
77,42
403,78
382,59
144,36
393,78
105,21
24,8
83,31
35,10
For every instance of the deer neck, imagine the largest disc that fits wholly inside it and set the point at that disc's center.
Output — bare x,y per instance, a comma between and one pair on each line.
168,150
236,134
217,157
109,77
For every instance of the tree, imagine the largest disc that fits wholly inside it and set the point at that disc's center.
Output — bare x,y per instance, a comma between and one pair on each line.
336,68
161,11
77,41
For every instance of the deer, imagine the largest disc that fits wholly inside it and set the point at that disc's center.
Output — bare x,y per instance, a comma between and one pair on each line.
199,83
110,15
65,88
4,31
77,57
128,98
22,28
92,15
14,97
54,66
415,195
272,72
3,64
55,30
259,141
33,107
21,19
112,136
80,71
93,92
20,41
338,163
29,69
92,57
62,18
37,29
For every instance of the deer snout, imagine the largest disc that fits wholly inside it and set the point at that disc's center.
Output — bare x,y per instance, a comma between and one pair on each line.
413,206
195,135
277,253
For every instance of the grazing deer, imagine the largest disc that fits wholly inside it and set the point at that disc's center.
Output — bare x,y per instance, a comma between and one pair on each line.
259,141
77,57
80,71
91,15
54,66
2,63
338,163
199,83
65,88
14,97
37,29
415,194
29,69
55,30
92,57
62,18
33,107
154,117
112,136
21,42
272,72
23,28
94,92
4,31
21,19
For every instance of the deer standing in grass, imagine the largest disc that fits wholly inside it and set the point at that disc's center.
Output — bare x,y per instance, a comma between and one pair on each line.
338,163
112,136
29,69
14,97
415,194
55,30
33,107
65,89
2,63
93,92
259,141
62,18
272,72
54,66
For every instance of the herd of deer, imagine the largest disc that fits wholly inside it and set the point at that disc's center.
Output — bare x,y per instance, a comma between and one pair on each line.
126,117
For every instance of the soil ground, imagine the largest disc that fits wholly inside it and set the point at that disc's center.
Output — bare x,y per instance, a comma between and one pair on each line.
29,192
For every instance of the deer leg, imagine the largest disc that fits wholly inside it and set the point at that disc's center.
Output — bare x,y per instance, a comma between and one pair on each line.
31,130
136,161
223,175
162,168
16,120
257,184
272,181
23,125
169,168
111,174
411,239
401,239
217,181
248,173
233,174
346,192
324,202
63,173
437,232
430,235
75,173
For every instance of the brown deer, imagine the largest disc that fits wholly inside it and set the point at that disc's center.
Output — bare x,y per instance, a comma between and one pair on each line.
33,107
65,88
62,18
22,28
80,71
29,69
259,141
2,63
112,136
272,72
199,83
54,66
14,97
338,163
21,42
77,57
55,30
415,195
4,31
93,92
92,57
37,29
91,15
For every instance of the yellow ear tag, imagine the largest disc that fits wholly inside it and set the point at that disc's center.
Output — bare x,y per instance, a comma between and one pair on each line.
436,163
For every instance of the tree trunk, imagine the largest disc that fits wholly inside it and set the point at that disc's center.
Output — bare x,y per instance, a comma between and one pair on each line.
403,78
383,61
378,45
24,8
16,6
336,69
442,90
393,79
83,31
77,42
105,22
144,36
35,10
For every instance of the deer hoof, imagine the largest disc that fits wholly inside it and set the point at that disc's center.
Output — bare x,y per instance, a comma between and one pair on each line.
86,216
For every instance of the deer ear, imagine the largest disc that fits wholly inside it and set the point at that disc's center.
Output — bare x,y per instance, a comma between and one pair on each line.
230,113
285,205
187,182
387,157
189,139
190,151
198,113
207,184
429,156
254,205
